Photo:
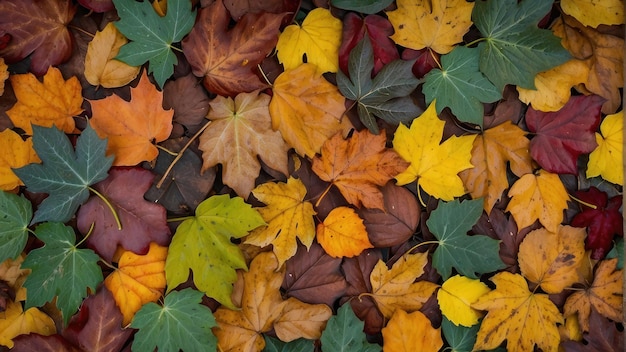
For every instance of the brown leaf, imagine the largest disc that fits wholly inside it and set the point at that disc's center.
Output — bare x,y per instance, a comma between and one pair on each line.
238,8
605,336
189,101
40,343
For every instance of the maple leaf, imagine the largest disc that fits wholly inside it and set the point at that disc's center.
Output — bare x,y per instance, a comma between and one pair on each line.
228,58
604,295
460,86
604,159
456,296
395,289
181,323
602,222
319,37
38,28
202,244
523,318
434,165
53,102
438,25
101,67
131,127
241,131
493,149
541,196
593,14
365,6
15,215
342,234
411,332
16,322
344,332
385,96
287,215
153,36
307,109
514,49
18,153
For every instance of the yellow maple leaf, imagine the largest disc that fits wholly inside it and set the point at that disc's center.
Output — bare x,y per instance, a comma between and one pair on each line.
54,101
606,160
605,295
307,109
551,259
101,67
342,234
4,74
132,127
396,288
12,273
17,153
595,13
138,280
515,314
435,166
435,24
241,131
14,322
410,332
456,296
538,196
319,37
287,216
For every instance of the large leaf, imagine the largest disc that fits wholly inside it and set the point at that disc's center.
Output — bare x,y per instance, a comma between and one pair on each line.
65,174
469,255
514,49
344,332
15,215
152,35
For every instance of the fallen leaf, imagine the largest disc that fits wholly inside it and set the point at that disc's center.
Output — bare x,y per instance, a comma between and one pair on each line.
239,8
344,331
410,332
515,314
16,322
301,320
101,67
593,14
365,6
40,343
538,196
604,159
15,215
19,152
342,234
239,133
189,101
12,273
53,102
460,338
131,127
288,216
618,252
98,5
319,38
604,335
300,345
434,165
438,24
4,74
307,109
455,297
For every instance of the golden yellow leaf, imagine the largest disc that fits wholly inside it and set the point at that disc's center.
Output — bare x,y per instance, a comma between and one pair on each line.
410,332
301,320
456,296
4,74
319,37
517,315
101,67
12,273
342,234
606,160
538,196
138,280
15,322
307,109
593,13
160,7
605,295
17,153
435,24
435,166
570,331
396,288
53,102
551,259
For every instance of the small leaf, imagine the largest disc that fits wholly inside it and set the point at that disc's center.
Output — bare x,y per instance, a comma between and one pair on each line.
18,152
618,252
365,6
608,154
456,296
342,234
460,338
15,215
344,333
411,332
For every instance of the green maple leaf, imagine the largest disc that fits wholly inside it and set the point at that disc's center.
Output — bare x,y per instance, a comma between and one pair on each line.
460,86
15,215
60,269
449,223
344,332
299,345
182,323
460,338
202,244
385,96
152,35
65,174
514,49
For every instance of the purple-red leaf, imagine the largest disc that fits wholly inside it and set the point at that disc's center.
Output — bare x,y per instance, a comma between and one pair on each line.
40,343
98,5
425,60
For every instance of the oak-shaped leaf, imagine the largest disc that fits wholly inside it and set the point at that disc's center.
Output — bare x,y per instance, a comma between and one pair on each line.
151,35
385,96
141,221
60,269
18,152
344,332
65,174
407,332
15,321
202,244
471,256
15,215
182,322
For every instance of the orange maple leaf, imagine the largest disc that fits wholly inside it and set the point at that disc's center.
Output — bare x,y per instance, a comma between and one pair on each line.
132,126
342,234
17,153
411,332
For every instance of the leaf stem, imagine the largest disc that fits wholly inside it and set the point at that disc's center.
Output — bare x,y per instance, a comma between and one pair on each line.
421,244
319,200
81,30
166,150
182,218
264,76
589,205
106,201
475,42
93,224
107,264
435,59
177,49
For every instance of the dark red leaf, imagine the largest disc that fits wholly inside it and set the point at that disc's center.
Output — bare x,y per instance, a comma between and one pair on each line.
5,38
98,5
424,60
40,343
238,8
604,336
